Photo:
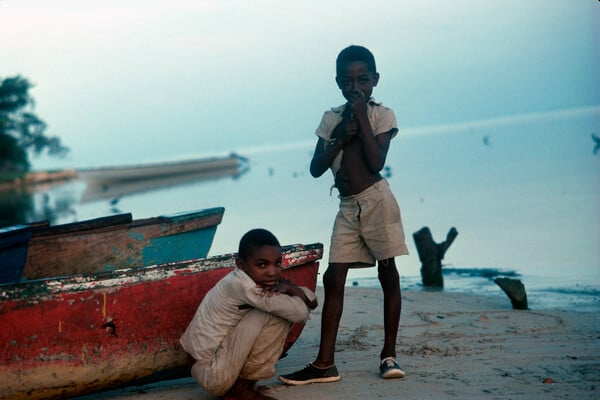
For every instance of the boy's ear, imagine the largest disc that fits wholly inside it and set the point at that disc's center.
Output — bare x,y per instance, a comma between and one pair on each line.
375,78
338,82
240,263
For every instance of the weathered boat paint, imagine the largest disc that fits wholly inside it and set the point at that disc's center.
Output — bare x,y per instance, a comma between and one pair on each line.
14,240
68,250
81,334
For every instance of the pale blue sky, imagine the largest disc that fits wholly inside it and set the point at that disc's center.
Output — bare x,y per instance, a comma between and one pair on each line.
178,77
132,81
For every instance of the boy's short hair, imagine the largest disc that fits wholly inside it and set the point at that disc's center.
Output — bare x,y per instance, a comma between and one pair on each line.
355,53
255,238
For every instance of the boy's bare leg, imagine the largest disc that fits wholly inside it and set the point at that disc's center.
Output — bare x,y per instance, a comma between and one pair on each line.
244,389
392,304
334,281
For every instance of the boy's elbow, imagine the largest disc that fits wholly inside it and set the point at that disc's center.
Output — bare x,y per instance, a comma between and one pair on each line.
300,317
315,171
301,314
379,163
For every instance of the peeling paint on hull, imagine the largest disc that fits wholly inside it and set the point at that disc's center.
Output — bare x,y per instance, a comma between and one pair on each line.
114,243
71,336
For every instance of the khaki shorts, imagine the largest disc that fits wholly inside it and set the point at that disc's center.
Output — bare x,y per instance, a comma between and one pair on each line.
368,227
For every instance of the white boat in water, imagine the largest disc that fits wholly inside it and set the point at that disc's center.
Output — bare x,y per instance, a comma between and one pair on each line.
113,182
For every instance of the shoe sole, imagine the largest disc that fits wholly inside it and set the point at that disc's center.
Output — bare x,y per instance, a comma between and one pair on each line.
396,373
306,382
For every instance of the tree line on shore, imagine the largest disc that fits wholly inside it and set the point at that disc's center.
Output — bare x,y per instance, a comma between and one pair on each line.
22,132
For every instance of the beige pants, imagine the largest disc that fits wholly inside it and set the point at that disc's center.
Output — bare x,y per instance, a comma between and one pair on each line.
249,352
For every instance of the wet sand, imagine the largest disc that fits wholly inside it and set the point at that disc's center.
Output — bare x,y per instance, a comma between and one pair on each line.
451,345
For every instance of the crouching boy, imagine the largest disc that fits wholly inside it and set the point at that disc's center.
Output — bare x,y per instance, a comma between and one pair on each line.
239,329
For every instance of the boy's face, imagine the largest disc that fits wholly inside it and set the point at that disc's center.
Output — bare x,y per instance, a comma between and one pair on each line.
263,265
354,76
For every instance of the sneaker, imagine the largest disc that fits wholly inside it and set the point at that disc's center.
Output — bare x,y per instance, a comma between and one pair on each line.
389,368
311,374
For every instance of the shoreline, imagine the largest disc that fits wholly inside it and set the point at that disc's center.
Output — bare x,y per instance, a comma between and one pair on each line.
30,179
543,293
451,345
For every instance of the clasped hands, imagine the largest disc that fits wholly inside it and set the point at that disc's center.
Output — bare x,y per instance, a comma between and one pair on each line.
283,286
356,109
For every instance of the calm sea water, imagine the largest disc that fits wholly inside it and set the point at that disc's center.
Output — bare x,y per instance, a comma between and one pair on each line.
523,193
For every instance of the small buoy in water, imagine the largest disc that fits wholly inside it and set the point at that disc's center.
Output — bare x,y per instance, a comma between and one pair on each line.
355,283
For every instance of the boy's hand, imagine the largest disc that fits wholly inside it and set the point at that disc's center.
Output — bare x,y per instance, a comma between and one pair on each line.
352,127
287,287
283,286
358,102
347,129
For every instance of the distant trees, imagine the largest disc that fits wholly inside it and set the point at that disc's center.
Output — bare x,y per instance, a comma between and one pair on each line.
21,131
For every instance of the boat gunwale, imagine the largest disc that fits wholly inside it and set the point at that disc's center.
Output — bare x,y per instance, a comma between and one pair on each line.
47,288
124,221
87,225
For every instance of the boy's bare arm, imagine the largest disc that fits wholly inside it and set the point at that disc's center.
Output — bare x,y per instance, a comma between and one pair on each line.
325,153
323,157
287,287
374,147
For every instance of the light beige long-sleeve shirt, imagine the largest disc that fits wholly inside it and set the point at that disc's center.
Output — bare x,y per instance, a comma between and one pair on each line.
224,306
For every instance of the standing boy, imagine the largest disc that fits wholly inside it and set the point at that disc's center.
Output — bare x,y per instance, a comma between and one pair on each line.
353,141
239,329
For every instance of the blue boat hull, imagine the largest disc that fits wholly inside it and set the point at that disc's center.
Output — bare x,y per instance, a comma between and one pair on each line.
110,243
13,250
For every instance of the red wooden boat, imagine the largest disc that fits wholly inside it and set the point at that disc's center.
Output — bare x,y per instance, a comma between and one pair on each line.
81,334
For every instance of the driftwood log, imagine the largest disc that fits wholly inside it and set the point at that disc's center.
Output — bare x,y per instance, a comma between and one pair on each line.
431,255
515,290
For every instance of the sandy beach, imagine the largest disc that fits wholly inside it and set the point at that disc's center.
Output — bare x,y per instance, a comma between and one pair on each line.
451,345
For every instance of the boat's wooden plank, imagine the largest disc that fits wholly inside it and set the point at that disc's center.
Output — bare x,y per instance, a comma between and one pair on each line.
109,244
82,226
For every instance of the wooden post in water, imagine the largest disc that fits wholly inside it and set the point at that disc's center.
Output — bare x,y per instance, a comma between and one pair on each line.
515,290
431,255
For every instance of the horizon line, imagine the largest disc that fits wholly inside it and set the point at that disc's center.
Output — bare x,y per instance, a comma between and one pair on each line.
502,120
449,127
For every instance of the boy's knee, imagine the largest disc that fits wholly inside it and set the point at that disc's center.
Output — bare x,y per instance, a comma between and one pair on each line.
255,317
387,268
208,381
388,274
334,277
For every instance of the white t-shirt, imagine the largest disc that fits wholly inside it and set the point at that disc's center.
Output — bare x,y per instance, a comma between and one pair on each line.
381,118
